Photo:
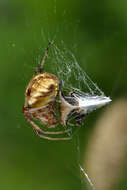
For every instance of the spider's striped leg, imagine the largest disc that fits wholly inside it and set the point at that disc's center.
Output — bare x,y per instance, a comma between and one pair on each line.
44,58
40,132
74,125
54,138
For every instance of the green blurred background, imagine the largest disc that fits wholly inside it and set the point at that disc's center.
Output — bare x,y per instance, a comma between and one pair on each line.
96,32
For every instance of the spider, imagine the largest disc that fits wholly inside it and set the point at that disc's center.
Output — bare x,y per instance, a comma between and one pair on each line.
43,92
40,102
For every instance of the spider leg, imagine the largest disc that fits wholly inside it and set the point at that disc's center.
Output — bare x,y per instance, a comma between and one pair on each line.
71,91
52,126
73,125
39,131
44,58
54,138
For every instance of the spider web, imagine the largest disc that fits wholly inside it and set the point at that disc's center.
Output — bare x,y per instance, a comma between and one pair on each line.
68,70
66,67
63,63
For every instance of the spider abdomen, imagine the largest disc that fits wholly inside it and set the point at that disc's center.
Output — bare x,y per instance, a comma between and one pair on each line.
41,89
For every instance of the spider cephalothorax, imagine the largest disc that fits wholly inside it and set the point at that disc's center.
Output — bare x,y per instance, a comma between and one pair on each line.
41,96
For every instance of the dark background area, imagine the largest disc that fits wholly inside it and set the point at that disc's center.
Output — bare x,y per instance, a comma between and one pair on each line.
96,32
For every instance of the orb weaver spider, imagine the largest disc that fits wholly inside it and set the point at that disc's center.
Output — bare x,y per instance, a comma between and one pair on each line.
40,102
41,95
